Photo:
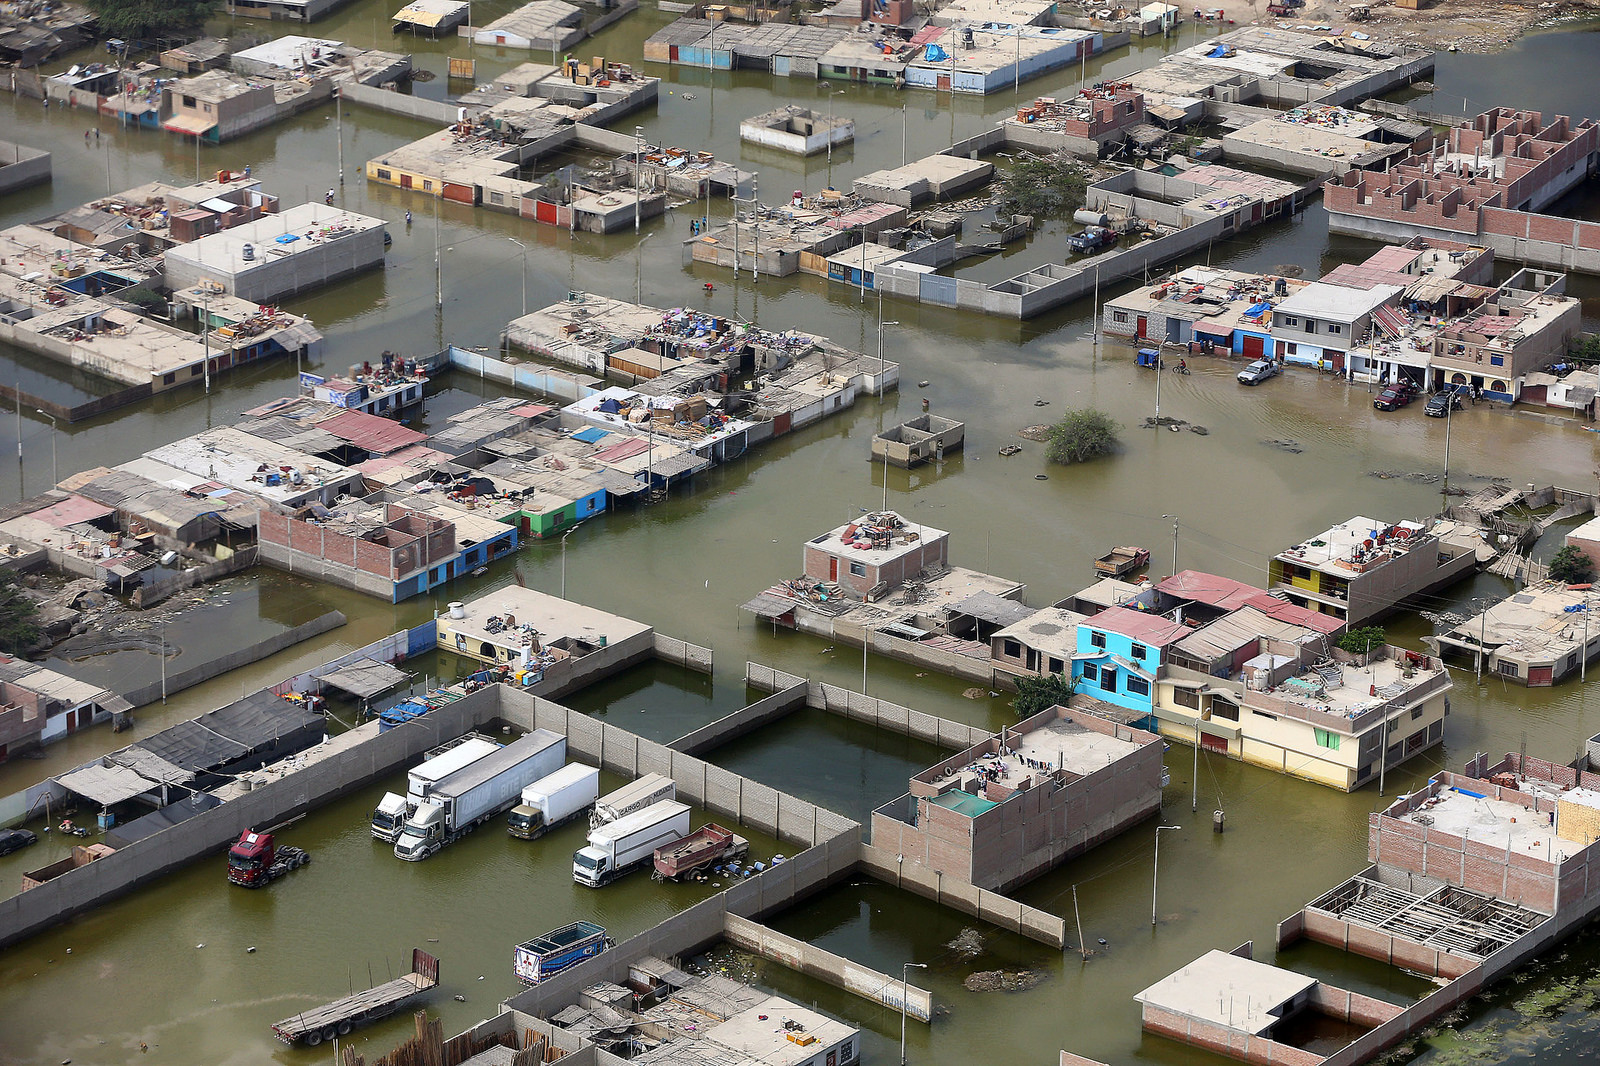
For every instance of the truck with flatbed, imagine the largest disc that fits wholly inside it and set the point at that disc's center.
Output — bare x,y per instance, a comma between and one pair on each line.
255,860
629,842
336,1019
634,796
699,850
553,801
466,799
545,956
389,818
1123,559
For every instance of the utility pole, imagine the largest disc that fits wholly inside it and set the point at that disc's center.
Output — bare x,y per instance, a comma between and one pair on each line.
638,192
524,248
755,227
903,985
1174,542
205,333
831,94
902,134
638,270
338,125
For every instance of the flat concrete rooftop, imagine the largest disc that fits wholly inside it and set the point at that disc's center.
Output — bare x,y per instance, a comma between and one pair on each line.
1228,991
1497,823
551,617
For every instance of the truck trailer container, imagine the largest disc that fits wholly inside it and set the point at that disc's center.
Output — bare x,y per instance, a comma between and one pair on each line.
630,841
545,956
651,788
471,796
389,818
554,801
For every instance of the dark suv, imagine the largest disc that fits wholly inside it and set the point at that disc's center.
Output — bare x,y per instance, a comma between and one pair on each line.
15,840
1441,403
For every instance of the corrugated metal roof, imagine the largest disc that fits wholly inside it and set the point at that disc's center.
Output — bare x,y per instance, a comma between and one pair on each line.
1150,629
622,450
374,433
70,511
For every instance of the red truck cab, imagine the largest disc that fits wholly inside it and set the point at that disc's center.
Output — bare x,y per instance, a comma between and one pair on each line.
250,859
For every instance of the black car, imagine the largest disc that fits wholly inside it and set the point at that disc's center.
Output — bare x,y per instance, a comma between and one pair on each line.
15,840
1441,403
1394,397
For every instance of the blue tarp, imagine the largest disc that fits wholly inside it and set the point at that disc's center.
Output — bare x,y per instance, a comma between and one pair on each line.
1218,52
591,434
934,54
1263,306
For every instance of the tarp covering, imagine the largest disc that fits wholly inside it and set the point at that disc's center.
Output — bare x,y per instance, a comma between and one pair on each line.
365,678
589,434
105,785
165,818
222,736
151,766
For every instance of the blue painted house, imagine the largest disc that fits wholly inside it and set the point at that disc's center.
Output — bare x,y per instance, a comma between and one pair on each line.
1120,654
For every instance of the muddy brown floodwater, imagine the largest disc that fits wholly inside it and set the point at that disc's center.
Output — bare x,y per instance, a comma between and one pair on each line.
137,971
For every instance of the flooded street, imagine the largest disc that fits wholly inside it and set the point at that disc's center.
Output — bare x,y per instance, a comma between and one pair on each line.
1294,456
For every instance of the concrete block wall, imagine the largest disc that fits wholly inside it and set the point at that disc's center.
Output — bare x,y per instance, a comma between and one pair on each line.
811,960
950,891
682,653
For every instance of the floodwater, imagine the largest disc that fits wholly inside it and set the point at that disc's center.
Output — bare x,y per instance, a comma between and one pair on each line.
685,565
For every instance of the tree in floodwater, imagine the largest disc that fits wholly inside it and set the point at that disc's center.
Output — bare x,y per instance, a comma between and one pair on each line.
1571,566
18,632
1081,435
150,18
1043,186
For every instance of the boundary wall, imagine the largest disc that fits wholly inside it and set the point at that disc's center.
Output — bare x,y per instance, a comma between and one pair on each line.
183,679
952,892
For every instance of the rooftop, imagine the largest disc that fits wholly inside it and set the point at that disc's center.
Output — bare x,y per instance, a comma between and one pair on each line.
1353,547
1152,629
1228,991
1497,823
238,460
877,539
1050,630
550,618
1320,299
1349,692
296,230
1210,589
1063,744
1545,621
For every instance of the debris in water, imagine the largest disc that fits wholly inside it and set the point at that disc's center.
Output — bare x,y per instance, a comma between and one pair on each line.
1002,980
1285,443
974,693
968,942
1035,433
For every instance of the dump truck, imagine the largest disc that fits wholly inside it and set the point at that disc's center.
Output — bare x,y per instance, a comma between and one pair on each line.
545,956
466,799
1123,559
392,811
699,850
629,842
651,788
1092,239
553,801
256,860
313,1026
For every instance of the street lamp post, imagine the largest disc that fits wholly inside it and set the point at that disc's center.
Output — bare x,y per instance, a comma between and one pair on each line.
54,478
903,969
881,324
1174,537
638,269
524,248
1155,877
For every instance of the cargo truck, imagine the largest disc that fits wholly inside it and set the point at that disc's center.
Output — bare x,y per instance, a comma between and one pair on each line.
651,788
629,842
392,811
466,799
553,801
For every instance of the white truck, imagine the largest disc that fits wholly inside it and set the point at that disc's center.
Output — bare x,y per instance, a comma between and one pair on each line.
651,788
553,801
392,811
630,841
471,796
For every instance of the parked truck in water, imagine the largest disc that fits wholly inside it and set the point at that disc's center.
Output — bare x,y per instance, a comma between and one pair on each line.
466,799
392,811
629,842
256,860
635,796
553,801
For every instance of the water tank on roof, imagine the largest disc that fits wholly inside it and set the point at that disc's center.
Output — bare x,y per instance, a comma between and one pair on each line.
458,609
248,252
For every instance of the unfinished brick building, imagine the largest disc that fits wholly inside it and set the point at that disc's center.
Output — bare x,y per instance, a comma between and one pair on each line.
1007,810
